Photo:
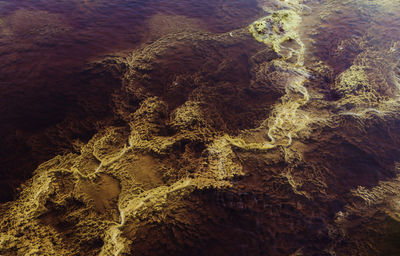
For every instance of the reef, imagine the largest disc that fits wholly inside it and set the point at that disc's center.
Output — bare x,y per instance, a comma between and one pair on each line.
239,143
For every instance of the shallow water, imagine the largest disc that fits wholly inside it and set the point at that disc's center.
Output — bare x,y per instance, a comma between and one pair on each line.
56,34
279,115
337,31
46,45
43,43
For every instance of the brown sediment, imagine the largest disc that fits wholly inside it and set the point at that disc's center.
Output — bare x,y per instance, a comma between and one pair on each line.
215,144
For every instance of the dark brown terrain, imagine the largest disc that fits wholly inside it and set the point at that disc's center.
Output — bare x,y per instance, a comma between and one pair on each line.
188,128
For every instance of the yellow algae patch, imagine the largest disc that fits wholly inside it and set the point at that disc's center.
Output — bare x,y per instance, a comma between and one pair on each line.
353,81
119,174
188,116
150,205
278,28
359,87
279,31
108,146
221,158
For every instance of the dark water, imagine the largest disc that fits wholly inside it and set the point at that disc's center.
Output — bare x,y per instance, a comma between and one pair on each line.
56,35
43,43
45,47
337,31
332,119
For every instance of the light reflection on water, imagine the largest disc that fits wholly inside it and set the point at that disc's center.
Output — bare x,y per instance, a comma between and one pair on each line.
346,28
44,44
59,36
76,30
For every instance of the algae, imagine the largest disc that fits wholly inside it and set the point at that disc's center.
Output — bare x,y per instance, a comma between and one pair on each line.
174,174
278,28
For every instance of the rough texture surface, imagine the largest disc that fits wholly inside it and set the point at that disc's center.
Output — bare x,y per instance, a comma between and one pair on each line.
216,144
